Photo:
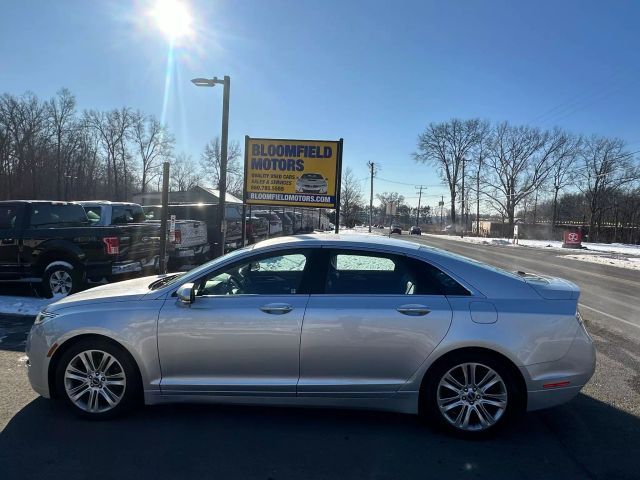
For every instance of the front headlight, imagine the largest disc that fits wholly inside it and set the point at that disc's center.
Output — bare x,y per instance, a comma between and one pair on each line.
43,316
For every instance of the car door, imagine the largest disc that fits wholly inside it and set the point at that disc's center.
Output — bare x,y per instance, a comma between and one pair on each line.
241,335
10,221
375,323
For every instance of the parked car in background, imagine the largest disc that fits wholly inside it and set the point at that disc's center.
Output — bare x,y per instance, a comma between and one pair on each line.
395,229
53,245
257,229
207,213
189,243
287,223
275,224
415,230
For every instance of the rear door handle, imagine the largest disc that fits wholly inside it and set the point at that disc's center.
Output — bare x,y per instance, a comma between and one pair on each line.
413,310
276,308
7,241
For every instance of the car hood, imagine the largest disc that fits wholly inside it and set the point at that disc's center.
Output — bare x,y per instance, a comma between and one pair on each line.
112,292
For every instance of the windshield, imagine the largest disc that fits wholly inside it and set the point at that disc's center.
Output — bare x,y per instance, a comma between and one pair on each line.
175,279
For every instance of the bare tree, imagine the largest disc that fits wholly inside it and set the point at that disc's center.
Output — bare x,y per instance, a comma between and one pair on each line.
446,146
153,145
62,122
210,163
605,166
519,161
183,174
351,199
113,129
563,171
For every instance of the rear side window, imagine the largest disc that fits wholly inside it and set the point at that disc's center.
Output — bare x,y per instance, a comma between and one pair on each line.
48,215
123,214
364,273
94,214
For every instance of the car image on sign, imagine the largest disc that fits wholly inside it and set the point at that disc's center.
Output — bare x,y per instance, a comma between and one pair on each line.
311,183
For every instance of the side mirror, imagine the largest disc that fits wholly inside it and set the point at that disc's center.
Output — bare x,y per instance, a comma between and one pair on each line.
186,294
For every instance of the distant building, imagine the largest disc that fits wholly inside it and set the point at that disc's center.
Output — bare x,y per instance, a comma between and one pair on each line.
196,195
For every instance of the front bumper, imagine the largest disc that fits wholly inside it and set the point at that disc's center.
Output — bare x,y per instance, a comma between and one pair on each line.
37,363
554,383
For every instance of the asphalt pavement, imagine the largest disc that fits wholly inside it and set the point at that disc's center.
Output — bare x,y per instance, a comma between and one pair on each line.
597,435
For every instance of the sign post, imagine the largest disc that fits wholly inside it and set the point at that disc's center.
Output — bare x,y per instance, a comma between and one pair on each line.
296,173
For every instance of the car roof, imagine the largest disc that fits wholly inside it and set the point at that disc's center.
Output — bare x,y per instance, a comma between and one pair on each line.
55,202
104,202
342,240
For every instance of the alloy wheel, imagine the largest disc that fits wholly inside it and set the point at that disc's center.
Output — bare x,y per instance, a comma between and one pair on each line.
60,282
472,396
95,381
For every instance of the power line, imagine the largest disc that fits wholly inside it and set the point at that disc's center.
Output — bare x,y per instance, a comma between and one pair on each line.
405,183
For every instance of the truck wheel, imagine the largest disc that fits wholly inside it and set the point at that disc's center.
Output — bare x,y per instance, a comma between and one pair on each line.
60,279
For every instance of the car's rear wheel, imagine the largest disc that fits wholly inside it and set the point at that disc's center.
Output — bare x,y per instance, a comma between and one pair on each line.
97,379
471,394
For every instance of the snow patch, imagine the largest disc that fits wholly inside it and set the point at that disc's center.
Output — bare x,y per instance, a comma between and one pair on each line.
632,263
23,305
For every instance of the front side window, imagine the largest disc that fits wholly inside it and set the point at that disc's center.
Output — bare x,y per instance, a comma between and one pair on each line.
8,216
280,274
48,215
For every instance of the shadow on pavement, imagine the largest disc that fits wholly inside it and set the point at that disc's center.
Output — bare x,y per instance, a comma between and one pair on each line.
13,331
585,439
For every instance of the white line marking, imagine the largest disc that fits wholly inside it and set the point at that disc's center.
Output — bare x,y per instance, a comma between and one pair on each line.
609,315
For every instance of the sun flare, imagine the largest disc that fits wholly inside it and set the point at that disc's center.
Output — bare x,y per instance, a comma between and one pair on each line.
173,18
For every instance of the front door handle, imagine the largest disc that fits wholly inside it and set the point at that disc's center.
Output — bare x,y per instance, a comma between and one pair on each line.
276,308
7,241
413,310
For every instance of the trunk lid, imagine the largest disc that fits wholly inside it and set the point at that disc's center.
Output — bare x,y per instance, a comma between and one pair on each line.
551,288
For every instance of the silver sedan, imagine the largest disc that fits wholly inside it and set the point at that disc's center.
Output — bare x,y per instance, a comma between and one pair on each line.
340,321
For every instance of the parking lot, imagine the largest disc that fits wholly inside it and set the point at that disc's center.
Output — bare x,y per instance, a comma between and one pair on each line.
595,436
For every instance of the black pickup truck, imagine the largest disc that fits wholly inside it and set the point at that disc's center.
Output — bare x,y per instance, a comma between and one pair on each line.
54,245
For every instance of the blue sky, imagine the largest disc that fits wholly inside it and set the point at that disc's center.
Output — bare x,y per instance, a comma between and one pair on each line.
373,73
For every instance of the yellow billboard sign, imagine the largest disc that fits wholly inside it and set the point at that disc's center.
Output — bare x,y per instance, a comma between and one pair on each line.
301,173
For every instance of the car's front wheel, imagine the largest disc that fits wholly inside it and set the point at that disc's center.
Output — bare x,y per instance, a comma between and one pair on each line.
97,379
472,394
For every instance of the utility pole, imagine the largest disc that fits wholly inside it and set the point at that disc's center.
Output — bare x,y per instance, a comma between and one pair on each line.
163,218
371,170
419,201
462,201
478,197
441,211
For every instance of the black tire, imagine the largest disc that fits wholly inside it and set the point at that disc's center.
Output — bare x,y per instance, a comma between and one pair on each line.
429,395
61,272
130,394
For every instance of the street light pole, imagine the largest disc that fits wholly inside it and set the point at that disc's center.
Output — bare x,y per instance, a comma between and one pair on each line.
222,186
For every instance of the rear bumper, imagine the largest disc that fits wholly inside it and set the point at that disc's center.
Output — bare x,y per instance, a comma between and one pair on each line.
554,383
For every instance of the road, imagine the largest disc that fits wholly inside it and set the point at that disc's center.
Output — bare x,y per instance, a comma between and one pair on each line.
596,436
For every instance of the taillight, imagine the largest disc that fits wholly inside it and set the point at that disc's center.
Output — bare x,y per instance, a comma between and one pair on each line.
112,244
177,236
